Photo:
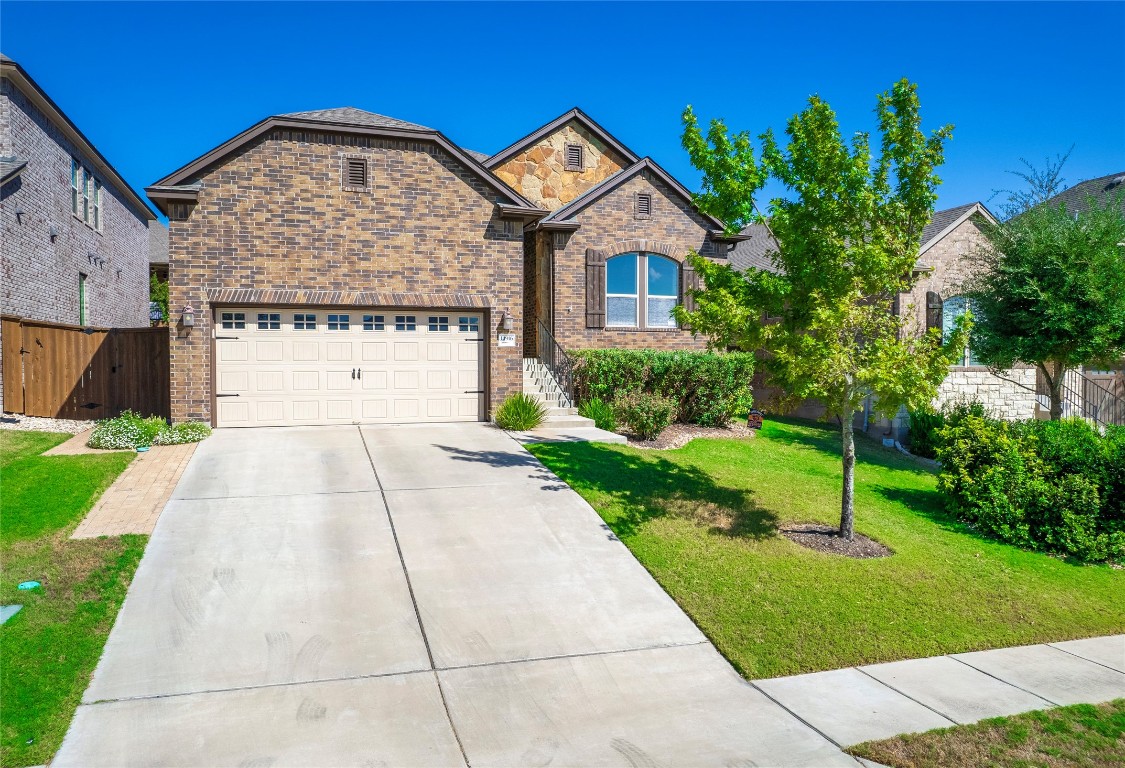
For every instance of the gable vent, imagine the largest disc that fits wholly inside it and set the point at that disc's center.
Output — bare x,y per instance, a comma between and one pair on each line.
355,172
574,157
644,204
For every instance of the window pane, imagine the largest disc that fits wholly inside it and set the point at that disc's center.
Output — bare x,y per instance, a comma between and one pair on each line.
660,312
621,311
953,309
621,274
373,323
663,277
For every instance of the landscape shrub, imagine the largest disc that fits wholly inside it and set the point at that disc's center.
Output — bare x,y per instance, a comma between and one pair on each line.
1039,485
645,414
131,430
926,424
708,388
520,412
601,412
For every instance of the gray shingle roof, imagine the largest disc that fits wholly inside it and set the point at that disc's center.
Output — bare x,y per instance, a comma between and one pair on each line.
157,243
10,166
940,221
1076,198
481,156
754,252
353,116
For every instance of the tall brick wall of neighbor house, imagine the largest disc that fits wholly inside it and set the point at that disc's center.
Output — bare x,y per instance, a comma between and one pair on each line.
39,275
274,216
539,172
610,225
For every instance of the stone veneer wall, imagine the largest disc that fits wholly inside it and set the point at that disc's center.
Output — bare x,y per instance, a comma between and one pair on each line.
539,173
274,217
1002,399
610,225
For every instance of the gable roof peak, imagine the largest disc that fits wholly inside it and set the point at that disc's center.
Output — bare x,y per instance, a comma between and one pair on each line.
575,113
354,116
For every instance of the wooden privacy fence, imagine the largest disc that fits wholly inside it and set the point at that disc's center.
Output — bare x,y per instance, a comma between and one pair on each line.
71,372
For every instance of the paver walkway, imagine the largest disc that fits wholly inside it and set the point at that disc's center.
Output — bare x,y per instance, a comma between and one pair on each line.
132,504
426,595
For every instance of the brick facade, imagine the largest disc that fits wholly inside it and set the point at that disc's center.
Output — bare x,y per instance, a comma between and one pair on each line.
609,224
40,273
949,260
275,217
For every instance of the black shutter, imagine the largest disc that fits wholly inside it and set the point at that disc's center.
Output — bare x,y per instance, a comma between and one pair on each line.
934,311
595,288
689,281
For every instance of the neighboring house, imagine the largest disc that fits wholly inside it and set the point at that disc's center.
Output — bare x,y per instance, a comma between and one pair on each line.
338,266
75,235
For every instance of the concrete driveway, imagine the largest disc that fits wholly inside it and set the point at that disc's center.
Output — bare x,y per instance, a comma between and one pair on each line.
414,595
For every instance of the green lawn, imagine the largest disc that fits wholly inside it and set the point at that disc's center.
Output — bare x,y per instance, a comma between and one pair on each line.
49,649
703,519
1082,736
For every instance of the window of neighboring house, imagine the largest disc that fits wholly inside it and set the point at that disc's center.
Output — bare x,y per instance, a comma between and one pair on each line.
953,308
575,157
97,222
641,291
75,173
86,195
81,298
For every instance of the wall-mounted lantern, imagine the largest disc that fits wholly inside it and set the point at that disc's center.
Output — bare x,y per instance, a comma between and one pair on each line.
506,321
52,232
187,318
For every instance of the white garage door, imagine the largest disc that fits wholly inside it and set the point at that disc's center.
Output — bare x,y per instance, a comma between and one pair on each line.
278,366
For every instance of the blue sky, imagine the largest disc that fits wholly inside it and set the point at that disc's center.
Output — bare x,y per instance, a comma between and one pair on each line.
156,84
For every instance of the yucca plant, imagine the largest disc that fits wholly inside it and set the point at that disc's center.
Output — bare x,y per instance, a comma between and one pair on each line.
601,412
520,412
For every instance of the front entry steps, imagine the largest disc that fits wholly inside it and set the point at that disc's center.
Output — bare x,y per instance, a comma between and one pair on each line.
563,424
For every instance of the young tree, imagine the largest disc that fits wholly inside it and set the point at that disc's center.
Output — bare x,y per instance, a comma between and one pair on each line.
848,235
1049,290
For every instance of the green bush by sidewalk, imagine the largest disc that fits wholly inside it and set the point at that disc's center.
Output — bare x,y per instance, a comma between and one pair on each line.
645,414
1055,486
707,388
520,412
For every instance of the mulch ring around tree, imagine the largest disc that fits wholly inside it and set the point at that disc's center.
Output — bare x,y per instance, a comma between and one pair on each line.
679,435
824,538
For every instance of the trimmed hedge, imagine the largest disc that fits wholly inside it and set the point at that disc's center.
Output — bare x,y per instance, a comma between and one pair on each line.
645,414
1055,486
708,388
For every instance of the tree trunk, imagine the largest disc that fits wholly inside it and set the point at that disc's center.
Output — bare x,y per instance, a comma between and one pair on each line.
1054,373
847,500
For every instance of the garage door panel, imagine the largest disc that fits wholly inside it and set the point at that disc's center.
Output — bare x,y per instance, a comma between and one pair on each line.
295,369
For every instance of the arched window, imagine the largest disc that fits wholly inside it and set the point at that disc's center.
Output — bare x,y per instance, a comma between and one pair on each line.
954,308
641,289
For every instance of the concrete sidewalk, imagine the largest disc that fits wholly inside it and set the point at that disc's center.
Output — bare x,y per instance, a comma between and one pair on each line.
433,595
850,706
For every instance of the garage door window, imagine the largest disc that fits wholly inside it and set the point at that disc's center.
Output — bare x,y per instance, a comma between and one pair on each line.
439,323
468,324
405,322
234,320
339,322
269,321
304,322
373,323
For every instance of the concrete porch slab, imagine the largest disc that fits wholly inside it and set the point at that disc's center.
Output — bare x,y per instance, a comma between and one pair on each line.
242,592
849,707
1108,651
520,571
961,693
659,707
397,720
277,461
1050,673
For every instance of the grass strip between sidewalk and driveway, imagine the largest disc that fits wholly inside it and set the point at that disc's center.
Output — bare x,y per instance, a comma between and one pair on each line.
1079,736
50,648
704,520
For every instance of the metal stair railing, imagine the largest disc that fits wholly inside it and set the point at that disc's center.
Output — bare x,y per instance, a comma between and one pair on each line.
1085,398
556,361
